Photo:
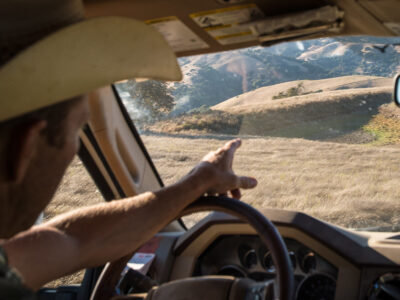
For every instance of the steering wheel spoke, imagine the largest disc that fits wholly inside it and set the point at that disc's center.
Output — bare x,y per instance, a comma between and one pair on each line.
210,288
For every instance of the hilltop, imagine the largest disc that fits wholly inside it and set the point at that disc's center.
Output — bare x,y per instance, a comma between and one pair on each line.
302,92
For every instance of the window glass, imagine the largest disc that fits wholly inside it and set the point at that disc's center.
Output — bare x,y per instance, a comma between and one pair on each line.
319,129
76,190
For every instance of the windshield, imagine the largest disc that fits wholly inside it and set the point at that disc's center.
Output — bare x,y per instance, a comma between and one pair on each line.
318,127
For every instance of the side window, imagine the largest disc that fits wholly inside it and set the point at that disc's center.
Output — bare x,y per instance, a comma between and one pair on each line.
76,190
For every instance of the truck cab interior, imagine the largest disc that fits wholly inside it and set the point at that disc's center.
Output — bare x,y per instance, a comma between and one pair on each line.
275,248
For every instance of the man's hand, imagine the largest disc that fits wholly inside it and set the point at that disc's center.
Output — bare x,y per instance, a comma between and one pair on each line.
216,169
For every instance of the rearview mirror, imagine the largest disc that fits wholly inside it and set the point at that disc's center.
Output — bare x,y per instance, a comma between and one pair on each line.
396,94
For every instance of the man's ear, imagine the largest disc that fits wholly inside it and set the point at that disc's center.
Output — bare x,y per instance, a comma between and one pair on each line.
25,142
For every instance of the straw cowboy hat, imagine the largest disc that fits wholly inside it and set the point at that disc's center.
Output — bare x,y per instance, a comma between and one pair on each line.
49,52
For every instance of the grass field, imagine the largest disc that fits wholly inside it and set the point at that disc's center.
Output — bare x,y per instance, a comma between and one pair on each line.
350,185
333,154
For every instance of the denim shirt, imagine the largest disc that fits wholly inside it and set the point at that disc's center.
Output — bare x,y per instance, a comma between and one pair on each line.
11,286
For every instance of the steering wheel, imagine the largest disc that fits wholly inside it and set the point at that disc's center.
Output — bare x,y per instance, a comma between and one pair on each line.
222,287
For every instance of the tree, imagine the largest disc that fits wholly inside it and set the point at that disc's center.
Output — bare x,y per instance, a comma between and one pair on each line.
152,97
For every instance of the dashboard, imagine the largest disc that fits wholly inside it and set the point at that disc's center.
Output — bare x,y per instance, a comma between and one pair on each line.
247,256
329,262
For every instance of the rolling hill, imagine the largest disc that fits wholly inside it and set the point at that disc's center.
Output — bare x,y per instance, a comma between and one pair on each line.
308,91
212,79
342,109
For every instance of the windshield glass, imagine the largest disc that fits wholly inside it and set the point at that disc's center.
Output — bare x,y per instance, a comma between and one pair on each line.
318,127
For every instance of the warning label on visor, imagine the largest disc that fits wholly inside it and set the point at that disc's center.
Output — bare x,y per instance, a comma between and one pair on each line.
229,25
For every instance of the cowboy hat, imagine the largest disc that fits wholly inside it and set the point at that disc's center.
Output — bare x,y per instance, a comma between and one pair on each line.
81,56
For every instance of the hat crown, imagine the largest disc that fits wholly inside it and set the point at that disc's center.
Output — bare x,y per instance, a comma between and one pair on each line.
23,22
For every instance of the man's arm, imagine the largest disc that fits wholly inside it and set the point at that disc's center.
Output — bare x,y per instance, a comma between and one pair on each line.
91,236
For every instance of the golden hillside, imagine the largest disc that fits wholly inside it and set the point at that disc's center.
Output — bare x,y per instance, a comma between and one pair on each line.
308,91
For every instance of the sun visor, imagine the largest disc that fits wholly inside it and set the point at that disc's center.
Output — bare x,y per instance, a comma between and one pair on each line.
298,25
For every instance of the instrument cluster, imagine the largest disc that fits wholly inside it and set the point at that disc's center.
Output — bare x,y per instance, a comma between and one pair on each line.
247,256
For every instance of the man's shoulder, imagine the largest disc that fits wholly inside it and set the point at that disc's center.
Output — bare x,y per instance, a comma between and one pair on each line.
11,286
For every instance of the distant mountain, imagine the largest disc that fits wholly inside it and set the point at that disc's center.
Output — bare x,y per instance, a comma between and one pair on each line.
212,79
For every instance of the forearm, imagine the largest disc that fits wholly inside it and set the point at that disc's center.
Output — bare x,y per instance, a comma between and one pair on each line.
91,236
115,229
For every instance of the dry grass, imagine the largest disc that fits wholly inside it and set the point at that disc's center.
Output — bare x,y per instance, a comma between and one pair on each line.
349,185
76,190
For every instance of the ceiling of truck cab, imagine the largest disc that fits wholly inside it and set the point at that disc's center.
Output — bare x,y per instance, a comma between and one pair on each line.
364,17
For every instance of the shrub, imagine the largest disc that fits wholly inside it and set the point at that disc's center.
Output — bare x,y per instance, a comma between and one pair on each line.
201,120
291,92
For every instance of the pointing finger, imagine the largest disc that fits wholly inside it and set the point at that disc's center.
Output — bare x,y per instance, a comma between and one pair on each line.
230,146
233,145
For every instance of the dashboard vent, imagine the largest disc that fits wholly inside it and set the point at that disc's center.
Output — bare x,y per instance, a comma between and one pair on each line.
387,287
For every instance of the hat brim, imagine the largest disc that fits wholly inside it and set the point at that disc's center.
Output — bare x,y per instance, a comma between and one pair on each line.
82,57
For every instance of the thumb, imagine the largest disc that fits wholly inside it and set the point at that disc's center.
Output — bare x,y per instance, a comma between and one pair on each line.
247,182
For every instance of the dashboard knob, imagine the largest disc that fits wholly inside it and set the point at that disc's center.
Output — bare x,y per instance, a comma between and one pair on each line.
308,263
292,257
250,259
268,263
248,256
